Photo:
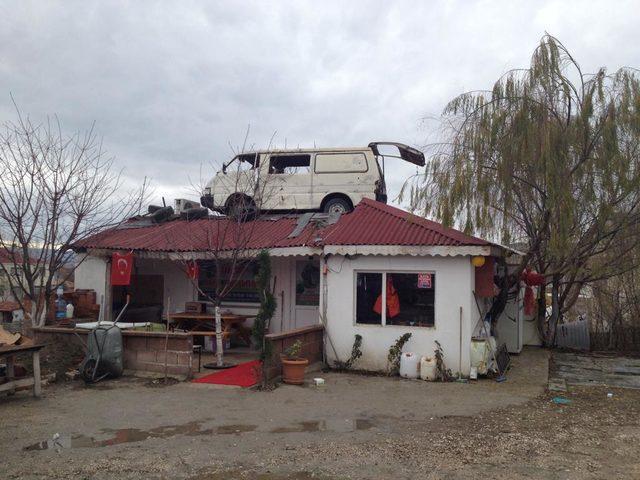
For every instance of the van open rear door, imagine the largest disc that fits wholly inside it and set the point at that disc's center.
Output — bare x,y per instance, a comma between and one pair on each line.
405,152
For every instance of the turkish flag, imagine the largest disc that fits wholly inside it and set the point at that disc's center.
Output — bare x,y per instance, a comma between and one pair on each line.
193,270
121,266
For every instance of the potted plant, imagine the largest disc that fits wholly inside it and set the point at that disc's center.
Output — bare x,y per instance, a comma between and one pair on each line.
293,366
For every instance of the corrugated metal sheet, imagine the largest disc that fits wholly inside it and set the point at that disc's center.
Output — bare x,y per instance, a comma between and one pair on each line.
201,235
374,223
371,223
574,335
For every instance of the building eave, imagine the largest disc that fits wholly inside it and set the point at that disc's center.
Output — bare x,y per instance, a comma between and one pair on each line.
416,251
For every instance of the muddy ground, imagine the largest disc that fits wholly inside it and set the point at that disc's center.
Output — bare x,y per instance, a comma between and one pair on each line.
355,427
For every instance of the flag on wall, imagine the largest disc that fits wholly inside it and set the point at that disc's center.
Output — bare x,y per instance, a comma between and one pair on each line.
121,266
193,270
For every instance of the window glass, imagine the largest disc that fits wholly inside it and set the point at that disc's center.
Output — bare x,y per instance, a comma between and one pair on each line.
411,299
308,282
340,163
240,281
289,164
369,298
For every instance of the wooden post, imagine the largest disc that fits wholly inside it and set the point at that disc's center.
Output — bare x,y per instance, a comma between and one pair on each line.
10,372
460,348
166,340
36,373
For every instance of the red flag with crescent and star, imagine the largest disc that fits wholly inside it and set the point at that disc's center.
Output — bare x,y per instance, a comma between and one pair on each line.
121,266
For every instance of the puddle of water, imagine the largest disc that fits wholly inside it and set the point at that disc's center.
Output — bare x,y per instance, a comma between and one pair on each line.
226,475
123,435
231,429
331,425
130,435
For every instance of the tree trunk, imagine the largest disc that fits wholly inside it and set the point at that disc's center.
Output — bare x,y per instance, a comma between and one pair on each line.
219,357
552,326
542,311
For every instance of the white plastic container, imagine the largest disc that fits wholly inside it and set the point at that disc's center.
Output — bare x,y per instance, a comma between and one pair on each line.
409,364
480,355
428,369
70,310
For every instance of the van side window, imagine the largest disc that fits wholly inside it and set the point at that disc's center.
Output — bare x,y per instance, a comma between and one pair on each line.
341,163
289,164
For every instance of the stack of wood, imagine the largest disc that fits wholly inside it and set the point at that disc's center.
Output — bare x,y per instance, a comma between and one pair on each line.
9,339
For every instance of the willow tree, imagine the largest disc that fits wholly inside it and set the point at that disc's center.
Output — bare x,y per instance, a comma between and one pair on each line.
549,159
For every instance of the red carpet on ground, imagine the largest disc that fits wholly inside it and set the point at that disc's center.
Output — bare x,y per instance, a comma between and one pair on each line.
242,375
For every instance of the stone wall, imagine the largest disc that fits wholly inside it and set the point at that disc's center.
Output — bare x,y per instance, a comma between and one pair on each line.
142,351
312,338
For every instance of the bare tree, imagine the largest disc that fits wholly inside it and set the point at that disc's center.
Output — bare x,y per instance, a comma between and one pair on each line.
54,190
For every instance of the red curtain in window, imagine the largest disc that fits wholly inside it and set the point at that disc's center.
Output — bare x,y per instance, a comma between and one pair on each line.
393,300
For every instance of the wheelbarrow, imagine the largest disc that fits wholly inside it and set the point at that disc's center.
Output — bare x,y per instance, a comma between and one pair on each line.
104,351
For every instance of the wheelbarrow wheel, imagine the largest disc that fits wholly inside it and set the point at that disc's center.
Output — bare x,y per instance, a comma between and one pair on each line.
87,370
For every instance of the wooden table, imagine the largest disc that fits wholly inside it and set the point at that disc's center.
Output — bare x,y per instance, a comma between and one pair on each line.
9,352
205,324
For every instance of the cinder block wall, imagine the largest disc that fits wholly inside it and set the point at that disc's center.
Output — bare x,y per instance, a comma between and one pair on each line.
312,338
142,351
146,353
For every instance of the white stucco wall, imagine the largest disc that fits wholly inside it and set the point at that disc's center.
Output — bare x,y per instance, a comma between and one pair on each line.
91,274
454,286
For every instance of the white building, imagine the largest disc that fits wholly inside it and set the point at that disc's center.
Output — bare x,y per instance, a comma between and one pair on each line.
339,272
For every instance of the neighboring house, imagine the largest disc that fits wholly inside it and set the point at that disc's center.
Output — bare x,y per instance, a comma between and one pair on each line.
15,271
378,272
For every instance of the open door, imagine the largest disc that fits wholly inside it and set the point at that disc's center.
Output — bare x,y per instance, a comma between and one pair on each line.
405,152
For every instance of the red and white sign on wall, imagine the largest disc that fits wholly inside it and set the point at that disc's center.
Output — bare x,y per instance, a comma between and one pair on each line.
424,280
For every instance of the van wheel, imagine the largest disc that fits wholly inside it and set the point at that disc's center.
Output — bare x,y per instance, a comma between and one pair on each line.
337,205
241,206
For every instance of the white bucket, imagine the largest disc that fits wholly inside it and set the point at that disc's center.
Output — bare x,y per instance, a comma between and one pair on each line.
409,363
428,369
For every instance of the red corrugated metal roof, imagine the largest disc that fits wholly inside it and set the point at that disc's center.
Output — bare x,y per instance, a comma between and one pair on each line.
374,223
218,233
371,223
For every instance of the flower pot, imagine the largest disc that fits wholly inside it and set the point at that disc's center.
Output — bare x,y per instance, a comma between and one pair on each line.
293,370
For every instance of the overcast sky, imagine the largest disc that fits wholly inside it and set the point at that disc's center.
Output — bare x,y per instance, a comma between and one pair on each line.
171,84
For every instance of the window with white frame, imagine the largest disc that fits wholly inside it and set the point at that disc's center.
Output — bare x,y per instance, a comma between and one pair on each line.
395,298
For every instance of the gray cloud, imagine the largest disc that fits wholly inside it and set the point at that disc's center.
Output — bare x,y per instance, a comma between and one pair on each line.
171,84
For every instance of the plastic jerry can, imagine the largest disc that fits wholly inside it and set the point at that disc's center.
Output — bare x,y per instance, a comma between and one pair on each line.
428,369
409,364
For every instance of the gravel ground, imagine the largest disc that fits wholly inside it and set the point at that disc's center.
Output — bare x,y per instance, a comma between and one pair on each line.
356,427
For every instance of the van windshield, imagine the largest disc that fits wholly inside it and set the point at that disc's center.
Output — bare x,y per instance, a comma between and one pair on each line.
245,161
